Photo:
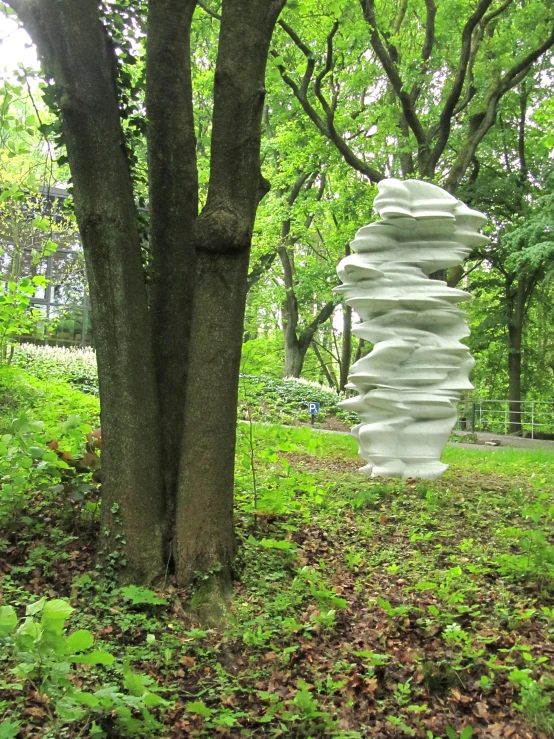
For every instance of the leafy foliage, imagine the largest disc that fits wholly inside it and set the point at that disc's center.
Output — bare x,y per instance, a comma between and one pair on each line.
405,573
32,414
43,656
74,366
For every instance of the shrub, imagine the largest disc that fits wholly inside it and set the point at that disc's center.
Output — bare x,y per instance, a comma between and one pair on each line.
32,414
74,366
43,655
286,399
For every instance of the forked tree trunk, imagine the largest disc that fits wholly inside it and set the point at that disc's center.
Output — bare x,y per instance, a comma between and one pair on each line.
298,341
78,56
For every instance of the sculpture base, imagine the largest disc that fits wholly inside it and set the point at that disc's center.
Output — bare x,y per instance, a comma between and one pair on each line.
406,469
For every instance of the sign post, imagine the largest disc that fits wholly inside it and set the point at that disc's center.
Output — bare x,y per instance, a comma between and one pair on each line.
313,408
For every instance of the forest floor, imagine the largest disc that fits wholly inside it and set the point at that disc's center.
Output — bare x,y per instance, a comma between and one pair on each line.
361,608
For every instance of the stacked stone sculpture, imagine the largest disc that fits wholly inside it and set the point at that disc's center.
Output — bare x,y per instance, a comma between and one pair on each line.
409,383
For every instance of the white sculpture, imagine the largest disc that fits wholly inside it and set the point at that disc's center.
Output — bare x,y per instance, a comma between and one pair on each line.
408,384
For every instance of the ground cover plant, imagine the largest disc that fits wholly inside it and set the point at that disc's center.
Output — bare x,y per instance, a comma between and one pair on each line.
77,367
362,608
261,398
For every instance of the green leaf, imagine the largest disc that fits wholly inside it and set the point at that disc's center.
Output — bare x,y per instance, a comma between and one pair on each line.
277,544
135,683
8,620
86,699
9,729
467,732
80,640
152,699
67,710
199,708
55,613
29,628
42,223
450,733
94,658
35,607
141,596
426,586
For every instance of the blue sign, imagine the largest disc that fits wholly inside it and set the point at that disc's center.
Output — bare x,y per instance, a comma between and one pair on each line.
313,408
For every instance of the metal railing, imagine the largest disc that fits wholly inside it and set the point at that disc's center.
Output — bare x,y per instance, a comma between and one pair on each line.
536,417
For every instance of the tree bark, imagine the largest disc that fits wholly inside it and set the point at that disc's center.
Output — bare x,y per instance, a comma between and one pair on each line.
297,343
205,540
295,353
77,54
515,301
346,348
173,192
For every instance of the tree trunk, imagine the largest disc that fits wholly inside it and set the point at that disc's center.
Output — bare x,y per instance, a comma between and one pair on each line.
173,193
205,540
77,54
516,313
346,349
205,532
79,57
295,354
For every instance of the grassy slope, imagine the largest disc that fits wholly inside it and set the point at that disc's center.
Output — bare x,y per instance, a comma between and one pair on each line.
362,608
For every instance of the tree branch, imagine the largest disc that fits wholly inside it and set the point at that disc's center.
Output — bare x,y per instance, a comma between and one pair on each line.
260,268
323,365
325,127
368,8
445,120
481,123
208,10
322,316
400,17
431,12
321,76
321,189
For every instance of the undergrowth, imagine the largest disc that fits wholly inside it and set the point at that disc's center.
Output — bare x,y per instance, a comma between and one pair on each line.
362,608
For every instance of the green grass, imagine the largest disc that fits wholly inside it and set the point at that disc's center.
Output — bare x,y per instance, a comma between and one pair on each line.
509,458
